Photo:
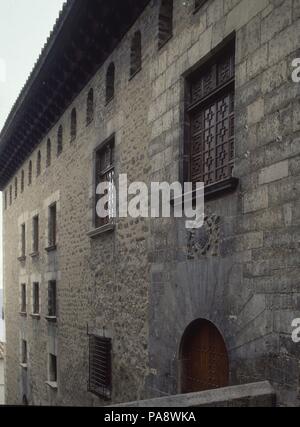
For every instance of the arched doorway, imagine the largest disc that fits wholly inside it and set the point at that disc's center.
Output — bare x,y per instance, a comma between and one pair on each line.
204,363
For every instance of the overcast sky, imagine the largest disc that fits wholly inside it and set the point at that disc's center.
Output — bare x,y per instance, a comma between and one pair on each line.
24,28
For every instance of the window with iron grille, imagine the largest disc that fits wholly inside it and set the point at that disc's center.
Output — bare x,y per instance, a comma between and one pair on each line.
35,234
52,301
36,298
100,375
23,298
104,170
211,120
52,226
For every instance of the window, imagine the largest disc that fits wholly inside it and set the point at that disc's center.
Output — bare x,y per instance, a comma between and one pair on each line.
48,161
136,54
211,120
52,368
73,124
10,195
52,226
5,200
110,83
23,299
35,234
52,312
199,3
90,107
23,241
16,187
59,141
104,173
165,23
36,299
30,173
100,366
24,357
38,164
22,180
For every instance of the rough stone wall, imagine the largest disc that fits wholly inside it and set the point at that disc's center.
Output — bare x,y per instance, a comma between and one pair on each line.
143,284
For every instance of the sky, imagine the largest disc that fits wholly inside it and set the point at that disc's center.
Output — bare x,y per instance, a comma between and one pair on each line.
24,28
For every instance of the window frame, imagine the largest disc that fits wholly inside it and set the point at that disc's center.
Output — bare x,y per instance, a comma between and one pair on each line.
36,306
35,235
23,308
100,381
228,184
52,312
104,172
52,227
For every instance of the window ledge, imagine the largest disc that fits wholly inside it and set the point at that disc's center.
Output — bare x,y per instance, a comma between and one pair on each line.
101,230
135,73
22,258
52,384
24,365
51,318
34,254
23,313
51,248
35,316
219,188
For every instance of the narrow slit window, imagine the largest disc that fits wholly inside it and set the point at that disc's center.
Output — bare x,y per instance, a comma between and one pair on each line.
16,187
52,368
59,141
30,173
36,298
23,299
48,162
24,355
73,124
136,54
22,181
52,299
52,232
23,241
165,24
39,164
90,107
110,83
35,234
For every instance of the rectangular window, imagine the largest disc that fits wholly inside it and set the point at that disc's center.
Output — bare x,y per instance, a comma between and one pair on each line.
23,299
23,241
52,308
52,368
52,225
36,299
24,358
35,234
211,120
104,172
100,376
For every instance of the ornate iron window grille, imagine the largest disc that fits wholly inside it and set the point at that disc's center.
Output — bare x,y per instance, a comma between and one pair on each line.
211,120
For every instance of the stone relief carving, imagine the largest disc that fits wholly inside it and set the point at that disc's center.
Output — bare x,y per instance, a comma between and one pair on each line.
205,241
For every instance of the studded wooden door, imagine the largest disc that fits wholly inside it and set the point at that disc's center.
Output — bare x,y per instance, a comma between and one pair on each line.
204,358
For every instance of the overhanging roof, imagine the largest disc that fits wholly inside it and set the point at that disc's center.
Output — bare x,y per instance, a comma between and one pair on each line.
85,34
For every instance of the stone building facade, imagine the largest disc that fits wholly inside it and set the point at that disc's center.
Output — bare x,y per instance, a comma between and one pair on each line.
144,284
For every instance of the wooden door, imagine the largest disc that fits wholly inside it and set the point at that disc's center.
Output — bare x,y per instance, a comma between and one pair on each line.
204,358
